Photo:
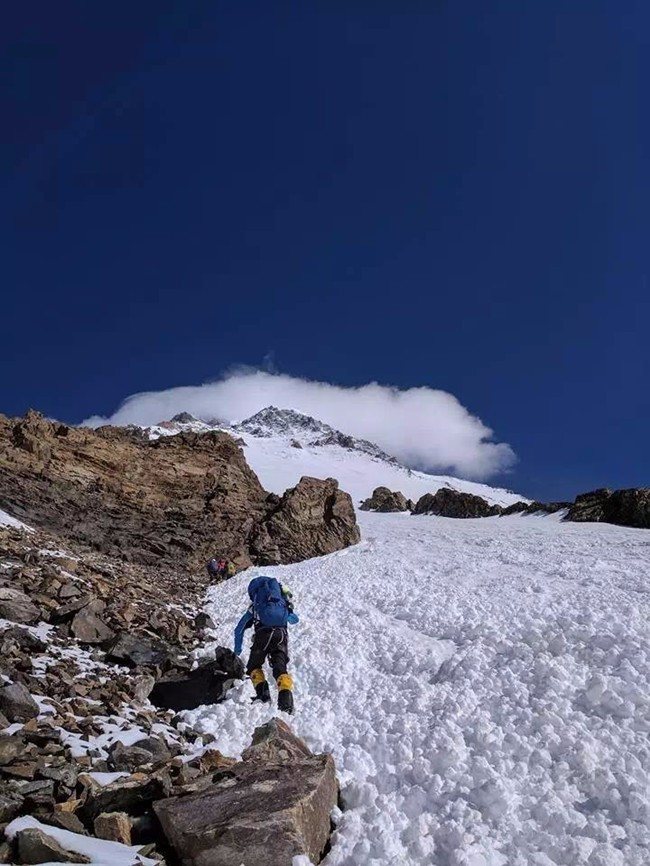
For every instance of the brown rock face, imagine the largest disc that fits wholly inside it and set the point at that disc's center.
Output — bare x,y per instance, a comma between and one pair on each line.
451,503
269,808
311,519
386,501
173,501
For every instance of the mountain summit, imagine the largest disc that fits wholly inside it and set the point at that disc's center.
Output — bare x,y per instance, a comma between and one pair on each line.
305,430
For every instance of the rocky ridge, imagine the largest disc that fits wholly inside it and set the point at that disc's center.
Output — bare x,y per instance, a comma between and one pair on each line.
629,507
172,502
96,658
298,429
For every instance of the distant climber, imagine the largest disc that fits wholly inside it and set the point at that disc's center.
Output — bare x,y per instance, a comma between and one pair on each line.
220,568
270,612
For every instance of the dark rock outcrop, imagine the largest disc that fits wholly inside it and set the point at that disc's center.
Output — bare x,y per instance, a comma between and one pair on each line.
629,507
167,502
590,507
534,508
451,503
206,684
386,500
279,792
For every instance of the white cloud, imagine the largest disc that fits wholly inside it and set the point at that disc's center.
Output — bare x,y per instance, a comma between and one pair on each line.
422,427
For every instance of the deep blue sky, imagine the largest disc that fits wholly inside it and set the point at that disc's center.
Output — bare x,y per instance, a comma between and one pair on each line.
452,194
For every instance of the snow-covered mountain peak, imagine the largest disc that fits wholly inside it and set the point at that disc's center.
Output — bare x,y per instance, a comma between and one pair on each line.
282,445
306,431
272,421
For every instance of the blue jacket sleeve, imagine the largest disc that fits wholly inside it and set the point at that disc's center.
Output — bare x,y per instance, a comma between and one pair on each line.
245,622
293,618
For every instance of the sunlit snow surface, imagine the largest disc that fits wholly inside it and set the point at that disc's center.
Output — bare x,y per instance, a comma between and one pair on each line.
482,684
279,465
8,520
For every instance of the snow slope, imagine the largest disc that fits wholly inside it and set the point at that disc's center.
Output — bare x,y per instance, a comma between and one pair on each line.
482,684
270,440
279,465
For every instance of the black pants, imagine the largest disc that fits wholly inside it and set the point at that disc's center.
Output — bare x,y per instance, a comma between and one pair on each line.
271,643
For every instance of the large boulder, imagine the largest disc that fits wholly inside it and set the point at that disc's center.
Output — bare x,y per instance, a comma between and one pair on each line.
386,500
311,519
17,704
451,503
16,606
269,808
629,507
163,503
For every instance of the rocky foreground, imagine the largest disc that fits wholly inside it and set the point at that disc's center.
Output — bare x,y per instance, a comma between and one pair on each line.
97,660
101,632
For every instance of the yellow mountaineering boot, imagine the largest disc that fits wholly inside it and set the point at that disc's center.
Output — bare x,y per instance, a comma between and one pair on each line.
285,695
262,692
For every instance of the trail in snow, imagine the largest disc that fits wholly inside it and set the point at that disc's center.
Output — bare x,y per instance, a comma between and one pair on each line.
482,684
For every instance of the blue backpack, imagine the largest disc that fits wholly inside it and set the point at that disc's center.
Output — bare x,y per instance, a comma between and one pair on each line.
269,606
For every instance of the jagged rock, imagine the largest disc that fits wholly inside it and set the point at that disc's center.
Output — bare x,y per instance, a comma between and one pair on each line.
142,686
386,500
17,704
4,721
16,606
65,821
139,651
312,519
590,507
35,846
22,639
114,826
38,794
9,808
452,503
87,627
69,590
266,797
65,776
146,751
66,612
534,508
275,742
10,749
133,795
629,507
203,621
206,684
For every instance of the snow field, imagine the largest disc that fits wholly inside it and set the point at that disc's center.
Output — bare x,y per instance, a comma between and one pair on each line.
482,684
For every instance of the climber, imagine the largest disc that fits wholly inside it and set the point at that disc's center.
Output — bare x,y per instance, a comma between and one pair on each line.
270,612
220,568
